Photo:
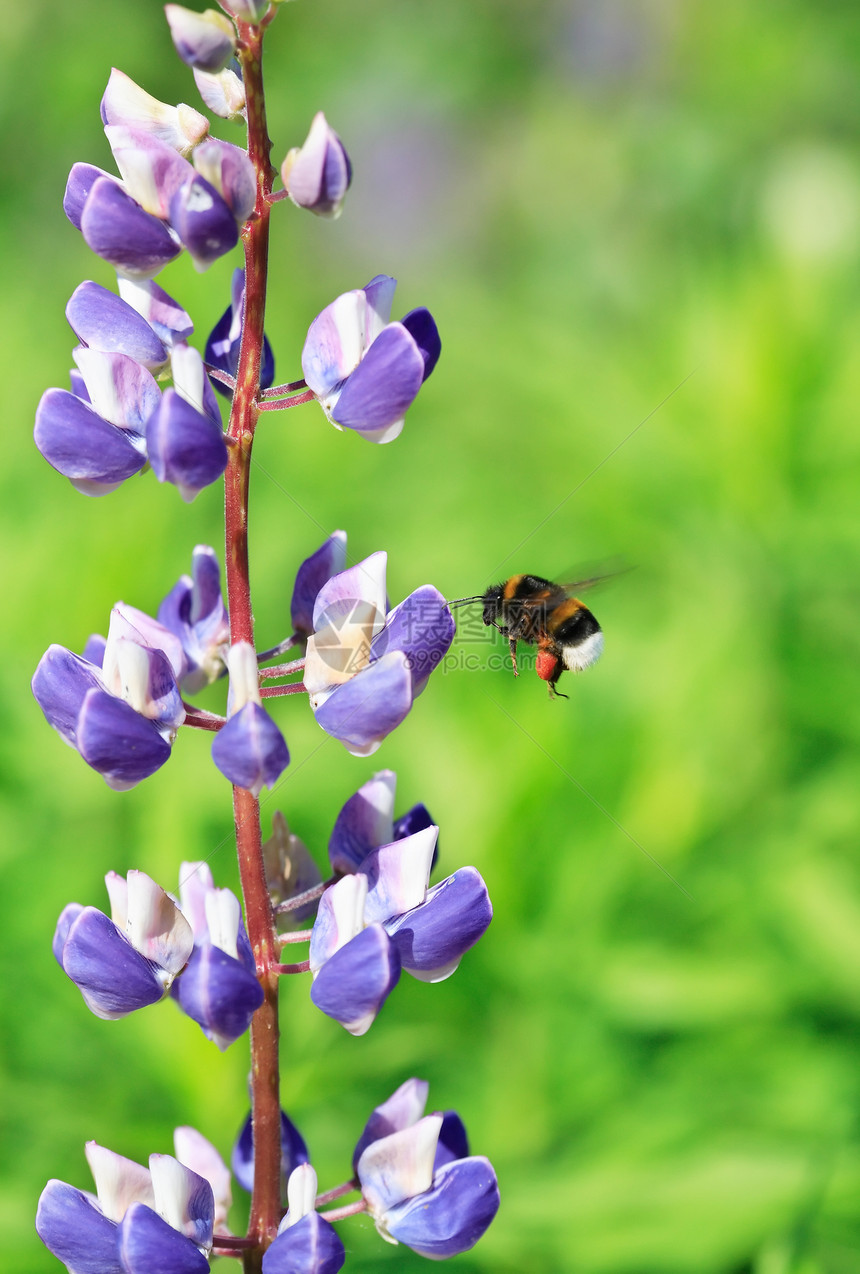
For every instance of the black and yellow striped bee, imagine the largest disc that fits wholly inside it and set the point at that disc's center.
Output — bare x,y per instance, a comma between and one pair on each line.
532,609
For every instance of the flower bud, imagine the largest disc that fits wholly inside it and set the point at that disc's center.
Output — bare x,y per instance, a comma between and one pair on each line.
224,93
125,102
203,40
318,175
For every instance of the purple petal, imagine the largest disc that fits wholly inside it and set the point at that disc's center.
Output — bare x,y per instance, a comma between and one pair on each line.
385,383
68,916
451,1216
73,1228
311,1246
119,231
218,993
335,342
161,312
421,326
203,221
250,750
147,1244
77,442
121,745
432,937
364,823
453,1142
184,446
357,980
293,1152
151,170
94,651
60,684
423,628
105,321
314,572
113,978
81,180
230,171
194,610
361,712
222,347
404,1108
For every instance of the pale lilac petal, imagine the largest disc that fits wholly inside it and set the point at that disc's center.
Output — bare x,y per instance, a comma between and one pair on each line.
203,40
397,875
250,750
68,916
73,1228
364,582
380,294
104,321
113,978
118,229
340,917
183,1198
94,650
184,446
151,171
364,823
156,927
147,1243
198,1154
161,312
432,938
125,102
335,343
119,388
77,442
385,383
404,1108
314,572
367,708
135,625
119,1181
451,1216
195,882
354,984
223,93
318,175
400,1165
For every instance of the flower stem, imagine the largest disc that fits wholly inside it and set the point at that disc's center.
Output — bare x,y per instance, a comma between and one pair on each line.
265,1099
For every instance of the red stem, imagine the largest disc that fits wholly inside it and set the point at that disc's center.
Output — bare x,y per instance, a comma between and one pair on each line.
265,1101
272,692
200,719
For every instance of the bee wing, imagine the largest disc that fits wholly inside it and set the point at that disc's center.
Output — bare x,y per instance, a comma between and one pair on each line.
599,575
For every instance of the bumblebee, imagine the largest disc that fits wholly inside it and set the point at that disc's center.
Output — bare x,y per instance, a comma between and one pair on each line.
531,609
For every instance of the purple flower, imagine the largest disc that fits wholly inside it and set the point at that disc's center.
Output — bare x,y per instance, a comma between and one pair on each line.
222,93
203,40
185,446
365,371
365,665
218,988
222,347
306,1243
367,821
318,175
316,570
293,1152
123,716
194,611
382,919
421,1186
125,102
140,1220
249,750
130,960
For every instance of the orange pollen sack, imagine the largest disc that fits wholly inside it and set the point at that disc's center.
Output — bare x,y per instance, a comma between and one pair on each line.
545,664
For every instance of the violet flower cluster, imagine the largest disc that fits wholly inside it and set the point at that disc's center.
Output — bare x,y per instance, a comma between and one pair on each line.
143,397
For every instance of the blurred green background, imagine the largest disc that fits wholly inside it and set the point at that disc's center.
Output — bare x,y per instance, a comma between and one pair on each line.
619,211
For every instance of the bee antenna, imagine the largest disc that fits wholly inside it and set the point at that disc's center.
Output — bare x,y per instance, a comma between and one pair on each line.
464,601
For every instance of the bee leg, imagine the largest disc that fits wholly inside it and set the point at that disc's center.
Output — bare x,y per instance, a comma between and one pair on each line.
512,642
